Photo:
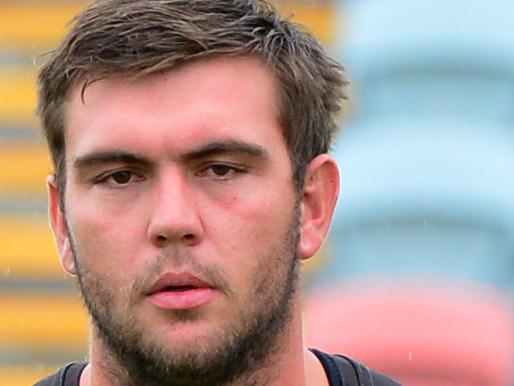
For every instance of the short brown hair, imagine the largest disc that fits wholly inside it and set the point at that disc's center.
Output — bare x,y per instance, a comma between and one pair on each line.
133,38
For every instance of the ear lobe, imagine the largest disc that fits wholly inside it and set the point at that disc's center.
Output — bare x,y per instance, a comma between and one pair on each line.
59,226
321,189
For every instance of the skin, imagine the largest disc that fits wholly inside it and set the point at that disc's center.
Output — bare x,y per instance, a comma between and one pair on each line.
208,180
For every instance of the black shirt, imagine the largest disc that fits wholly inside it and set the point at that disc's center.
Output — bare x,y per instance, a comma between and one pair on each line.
341,371
67,376
345,371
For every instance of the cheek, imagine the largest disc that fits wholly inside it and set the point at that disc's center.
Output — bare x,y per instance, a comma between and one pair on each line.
260,202
249,231
103,243
246,221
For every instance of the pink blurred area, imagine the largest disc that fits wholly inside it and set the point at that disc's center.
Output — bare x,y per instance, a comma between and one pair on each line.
421,333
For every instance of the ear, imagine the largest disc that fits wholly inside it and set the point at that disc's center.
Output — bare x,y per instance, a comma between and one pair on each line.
321,188
58,222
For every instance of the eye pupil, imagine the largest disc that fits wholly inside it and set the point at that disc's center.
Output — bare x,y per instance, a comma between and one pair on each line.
220,170
121,177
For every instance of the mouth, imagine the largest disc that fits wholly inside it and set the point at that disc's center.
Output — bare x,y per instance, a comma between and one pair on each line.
179,288
180,291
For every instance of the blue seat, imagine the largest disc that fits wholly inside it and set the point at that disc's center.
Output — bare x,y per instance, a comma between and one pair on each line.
451,58
428,160
425,198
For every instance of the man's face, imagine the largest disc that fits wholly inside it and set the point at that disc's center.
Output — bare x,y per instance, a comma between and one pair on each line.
181,214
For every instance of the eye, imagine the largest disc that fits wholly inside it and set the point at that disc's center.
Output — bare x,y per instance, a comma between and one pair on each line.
221,170
119,178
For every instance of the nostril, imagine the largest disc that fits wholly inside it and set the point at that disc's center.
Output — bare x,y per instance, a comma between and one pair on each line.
161,238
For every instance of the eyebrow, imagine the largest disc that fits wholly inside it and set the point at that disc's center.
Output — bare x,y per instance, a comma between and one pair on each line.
91,160
225,147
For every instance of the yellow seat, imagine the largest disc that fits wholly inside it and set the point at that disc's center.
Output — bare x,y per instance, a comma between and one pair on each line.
18,96
27,249
42,322
25,166
319,17
35,26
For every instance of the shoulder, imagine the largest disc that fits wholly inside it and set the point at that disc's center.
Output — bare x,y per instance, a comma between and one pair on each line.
69,375
343,370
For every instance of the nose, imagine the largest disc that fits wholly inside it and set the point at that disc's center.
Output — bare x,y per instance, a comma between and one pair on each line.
175,217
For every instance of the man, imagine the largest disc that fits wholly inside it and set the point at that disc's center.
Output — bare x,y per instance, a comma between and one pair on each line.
189,141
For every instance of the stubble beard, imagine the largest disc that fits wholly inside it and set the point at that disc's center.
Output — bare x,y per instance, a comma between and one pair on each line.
235,355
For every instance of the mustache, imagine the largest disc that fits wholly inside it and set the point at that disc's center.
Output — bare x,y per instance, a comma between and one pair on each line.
181,260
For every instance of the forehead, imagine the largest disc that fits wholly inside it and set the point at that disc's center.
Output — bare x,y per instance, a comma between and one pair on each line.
222,96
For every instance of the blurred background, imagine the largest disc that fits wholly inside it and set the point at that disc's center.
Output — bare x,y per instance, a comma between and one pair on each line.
417,276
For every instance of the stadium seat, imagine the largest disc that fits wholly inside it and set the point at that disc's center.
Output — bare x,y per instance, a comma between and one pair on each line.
27,249
425,198
318,16
26,166
42,321
18,96
39,332
430,57
428,333
34,27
